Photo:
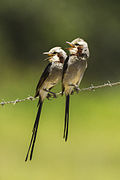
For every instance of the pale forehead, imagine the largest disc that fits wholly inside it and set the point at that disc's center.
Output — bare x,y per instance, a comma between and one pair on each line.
55,49
80,42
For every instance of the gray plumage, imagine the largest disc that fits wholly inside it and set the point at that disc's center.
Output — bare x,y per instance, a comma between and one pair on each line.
49,78
53,75
73,71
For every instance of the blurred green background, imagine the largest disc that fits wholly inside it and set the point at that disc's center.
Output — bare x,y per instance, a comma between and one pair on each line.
27,29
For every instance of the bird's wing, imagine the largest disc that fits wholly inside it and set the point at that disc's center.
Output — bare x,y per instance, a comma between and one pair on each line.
64,71
43,77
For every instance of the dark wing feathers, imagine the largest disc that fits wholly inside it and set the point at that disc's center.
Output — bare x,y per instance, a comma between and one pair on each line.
64,71
43,77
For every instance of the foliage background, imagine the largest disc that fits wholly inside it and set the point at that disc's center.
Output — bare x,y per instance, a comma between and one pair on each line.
27,29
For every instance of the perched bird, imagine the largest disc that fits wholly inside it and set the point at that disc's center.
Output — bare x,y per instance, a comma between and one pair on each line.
49,78
73,71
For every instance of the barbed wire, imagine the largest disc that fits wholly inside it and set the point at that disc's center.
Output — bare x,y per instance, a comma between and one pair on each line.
91,88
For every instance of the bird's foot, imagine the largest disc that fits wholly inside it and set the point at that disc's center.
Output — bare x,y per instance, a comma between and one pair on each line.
48,96
51,94
76,88
72,93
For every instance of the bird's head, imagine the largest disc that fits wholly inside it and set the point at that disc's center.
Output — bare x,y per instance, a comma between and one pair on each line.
56,54
79,48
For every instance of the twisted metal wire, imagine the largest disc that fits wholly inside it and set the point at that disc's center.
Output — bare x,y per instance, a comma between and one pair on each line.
91,88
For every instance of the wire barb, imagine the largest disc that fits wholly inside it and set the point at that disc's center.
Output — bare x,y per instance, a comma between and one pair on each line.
91,88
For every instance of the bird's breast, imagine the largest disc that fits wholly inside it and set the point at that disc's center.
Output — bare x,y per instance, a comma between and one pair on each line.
53,78
74,74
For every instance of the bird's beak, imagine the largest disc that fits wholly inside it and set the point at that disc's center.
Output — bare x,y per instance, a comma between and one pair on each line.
70,44
48,53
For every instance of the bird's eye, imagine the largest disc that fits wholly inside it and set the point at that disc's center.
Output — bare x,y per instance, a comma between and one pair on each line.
76,44
54,52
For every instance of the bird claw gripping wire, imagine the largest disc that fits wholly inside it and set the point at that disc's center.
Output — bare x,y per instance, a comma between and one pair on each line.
76,88
51,94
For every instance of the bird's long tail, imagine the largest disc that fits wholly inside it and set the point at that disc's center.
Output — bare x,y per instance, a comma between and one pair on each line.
34,131
65,136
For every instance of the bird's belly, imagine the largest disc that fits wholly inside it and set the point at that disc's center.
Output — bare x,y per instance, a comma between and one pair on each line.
73,76
53,79
50,82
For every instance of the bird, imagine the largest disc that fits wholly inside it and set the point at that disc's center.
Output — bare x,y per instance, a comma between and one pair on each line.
49,78
73,71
